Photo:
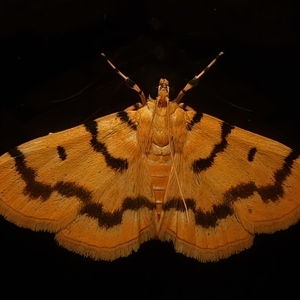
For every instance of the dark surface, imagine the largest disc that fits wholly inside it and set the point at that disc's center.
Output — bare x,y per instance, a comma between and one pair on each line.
51,51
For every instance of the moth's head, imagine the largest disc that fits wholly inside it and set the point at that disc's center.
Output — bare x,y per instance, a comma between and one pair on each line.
163,93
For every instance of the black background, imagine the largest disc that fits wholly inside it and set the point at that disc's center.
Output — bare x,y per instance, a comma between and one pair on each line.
51,51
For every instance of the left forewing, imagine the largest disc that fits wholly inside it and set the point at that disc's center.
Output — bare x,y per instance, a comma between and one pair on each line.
88,184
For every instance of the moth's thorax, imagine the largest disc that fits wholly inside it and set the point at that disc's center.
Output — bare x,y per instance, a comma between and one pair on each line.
160,133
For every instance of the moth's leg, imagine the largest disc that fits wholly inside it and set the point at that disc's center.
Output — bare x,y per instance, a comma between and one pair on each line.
194,82
131,84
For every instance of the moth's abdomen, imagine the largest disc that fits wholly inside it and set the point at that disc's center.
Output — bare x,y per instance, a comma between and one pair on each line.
160,168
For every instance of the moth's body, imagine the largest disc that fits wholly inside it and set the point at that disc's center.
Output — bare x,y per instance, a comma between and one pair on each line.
158,170
159,147
159,158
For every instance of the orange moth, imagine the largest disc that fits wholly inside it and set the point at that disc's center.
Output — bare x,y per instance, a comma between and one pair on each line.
148,172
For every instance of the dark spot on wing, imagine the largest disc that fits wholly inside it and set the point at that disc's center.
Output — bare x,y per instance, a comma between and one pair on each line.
34,189
110,219
196,119
61,152
105,219
204,219
116,164
203,164
251,154
270,192
73,189
39,190
123,116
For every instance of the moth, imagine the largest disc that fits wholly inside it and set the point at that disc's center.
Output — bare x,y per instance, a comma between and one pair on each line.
157,170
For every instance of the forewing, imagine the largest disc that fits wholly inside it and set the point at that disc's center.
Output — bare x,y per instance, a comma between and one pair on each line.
84,184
